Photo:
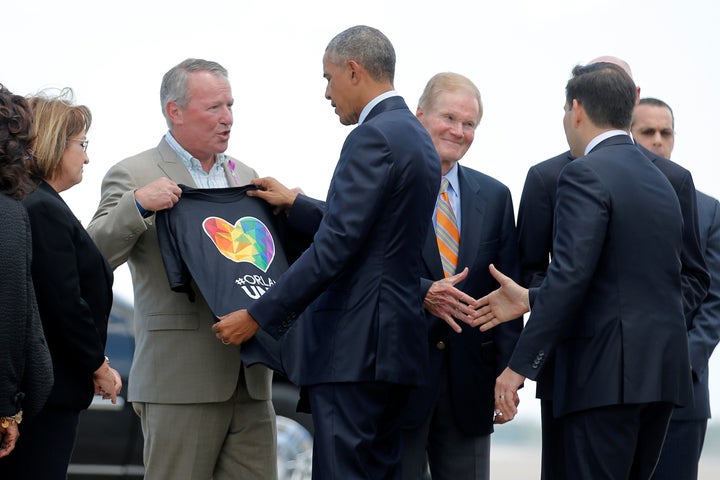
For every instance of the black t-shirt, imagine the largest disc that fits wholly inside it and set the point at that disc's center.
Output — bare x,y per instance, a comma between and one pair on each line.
230,244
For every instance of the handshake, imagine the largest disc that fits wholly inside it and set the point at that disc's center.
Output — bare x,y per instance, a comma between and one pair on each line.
508,302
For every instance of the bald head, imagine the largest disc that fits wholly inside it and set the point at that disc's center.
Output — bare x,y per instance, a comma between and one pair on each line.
620,63
615,61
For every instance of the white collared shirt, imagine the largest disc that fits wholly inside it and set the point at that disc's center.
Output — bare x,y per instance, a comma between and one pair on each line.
375,101
603,136
215,178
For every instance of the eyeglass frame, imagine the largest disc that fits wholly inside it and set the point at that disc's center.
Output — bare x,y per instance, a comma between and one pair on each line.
83,143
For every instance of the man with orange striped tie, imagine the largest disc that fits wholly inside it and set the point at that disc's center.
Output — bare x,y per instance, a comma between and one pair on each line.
449,421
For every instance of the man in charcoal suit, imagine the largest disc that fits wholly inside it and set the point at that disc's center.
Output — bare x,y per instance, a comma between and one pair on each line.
535,233
610,308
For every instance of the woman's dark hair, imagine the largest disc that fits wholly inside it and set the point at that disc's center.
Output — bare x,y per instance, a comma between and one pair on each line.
15,136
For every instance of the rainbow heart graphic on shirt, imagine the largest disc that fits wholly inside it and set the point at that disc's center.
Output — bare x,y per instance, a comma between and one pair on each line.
249,240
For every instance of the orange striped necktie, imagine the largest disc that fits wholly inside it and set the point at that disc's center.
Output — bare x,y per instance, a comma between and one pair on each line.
446,230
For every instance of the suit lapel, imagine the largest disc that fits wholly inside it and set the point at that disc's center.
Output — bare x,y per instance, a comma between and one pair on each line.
229,167
173,167
473,215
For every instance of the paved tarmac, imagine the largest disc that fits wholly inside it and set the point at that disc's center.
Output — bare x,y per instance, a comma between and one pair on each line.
509,462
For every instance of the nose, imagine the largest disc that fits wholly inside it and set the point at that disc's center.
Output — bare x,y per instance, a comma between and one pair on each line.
227,116
456,128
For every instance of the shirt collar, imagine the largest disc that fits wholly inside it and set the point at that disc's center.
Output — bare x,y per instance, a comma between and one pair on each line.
603,136
373,102
453,179
187,159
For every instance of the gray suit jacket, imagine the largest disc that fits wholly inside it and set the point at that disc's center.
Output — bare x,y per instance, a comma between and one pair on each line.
177,357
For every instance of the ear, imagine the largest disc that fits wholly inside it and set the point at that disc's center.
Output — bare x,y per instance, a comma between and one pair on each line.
355,71
174,112
578,113
419,112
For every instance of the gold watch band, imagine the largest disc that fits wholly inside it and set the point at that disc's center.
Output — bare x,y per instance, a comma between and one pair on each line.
17,418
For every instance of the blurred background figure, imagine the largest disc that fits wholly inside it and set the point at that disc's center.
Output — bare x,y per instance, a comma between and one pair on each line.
26,373
73,285
653,127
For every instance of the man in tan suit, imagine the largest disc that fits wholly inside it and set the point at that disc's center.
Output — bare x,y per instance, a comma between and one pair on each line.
203,414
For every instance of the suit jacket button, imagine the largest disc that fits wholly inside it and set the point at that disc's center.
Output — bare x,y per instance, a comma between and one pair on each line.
440,345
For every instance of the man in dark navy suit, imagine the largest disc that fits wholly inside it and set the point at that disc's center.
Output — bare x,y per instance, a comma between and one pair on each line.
450,419
654,128
348,311
610,308
535,233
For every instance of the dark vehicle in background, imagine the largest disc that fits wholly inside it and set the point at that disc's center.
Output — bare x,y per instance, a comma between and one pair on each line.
110,442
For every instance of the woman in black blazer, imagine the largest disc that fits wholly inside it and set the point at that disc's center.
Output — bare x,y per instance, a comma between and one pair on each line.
25,368
73,286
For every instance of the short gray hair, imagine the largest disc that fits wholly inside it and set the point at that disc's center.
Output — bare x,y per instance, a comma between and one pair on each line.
367,46
174,87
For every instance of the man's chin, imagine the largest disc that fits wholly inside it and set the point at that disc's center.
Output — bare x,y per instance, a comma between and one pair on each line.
221,146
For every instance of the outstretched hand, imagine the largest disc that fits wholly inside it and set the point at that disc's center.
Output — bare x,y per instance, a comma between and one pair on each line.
508,302
447,302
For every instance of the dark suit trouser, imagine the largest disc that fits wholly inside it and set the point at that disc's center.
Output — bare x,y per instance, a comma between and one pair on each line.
552,466
357,430
439,443
615,442
44,448
681,451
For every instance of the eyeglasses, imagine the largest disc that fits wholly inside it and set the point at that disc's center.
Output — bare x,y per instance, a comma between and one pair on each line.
83,143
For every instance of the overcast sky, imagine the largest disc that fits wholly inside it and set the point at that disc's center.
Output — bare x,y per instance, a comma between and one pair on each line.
518,52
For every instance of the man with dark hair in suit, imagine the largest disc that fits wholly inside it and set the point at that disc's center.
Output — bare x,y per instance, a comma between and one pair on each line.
610,307
347,311
451,418
653,127
535,233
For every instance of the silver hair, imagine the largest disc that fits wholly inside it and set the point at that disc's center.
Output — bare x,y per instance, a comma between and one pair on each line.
367,46
174,87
